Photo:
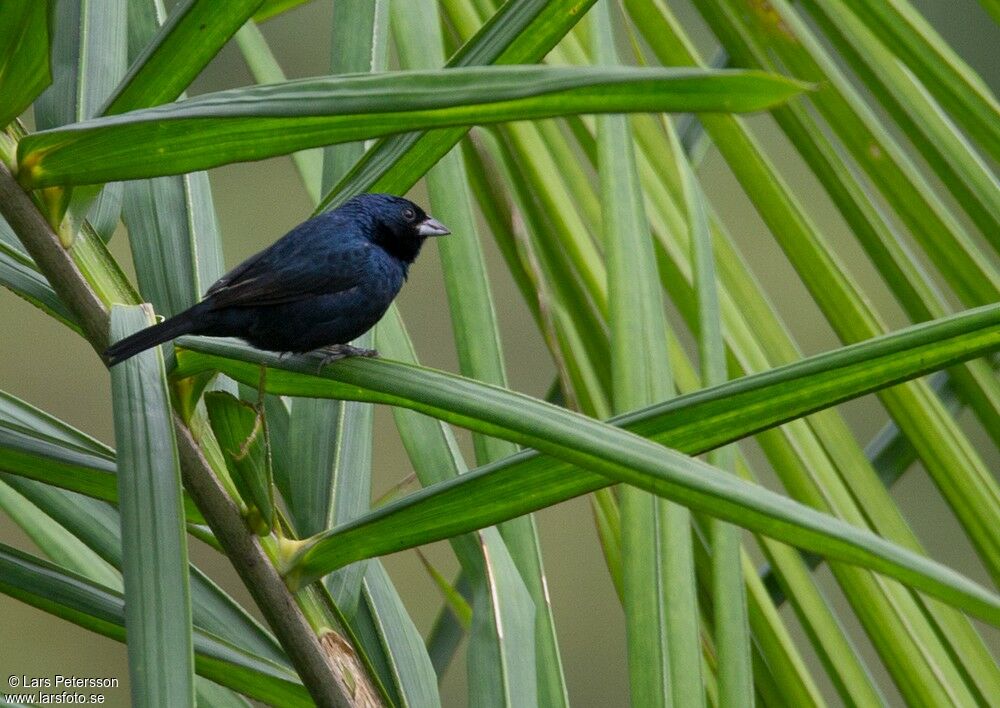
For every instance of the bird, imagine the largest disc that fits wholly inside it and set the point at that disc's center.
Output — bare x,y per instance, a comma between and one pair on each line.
324,283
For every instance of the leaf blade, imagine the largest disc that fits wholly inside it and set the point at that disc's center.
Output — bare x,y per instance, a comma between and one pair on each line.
194,33
158,603
521,31
472,405
24,55
262,121
102,610
658,580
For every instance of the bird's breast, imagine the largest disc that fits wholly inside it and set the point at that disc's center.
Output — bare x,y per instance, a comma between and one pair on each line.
384,277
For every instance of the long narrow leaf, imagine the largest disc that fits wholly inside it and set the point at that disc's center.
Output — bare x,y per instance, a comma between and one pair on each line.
24,55
158,604
477,340
603,449
102,610
520,32
174,239
194,33
261,121
239,430
171,221
26,453
664,654
266,70
387,629
54,540
729,602
502,667
959,89
29,454
360,45
693,423
272,8
89,43
962,171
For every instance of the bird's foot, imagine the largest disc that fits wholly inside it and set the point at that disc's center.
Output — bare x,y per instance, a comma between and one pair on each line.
336,352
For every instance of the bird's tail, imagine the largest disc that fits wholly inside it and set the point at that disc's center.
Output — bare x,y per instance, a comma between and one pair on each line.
183,323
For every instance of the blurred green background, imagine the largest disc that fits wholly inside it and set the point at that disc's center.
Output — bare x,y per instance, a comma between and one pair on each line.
258,202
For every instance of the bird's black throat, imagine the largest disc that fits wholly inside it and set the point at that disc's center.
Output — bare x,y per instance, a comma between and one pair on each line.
405,247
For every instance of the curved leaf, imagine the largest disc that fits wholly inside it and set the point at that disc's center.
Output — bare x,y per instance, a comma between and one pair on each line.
28,453
520,32
102,610
745,405
262,121
194,32
24,55
18,274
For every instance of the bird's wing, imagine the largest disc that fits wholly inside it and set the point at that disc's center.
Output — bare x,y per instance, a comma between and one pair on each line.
288,272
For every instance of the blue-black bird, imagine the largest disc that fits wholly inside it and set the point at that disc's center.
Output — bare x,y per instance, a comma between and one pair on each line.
326,282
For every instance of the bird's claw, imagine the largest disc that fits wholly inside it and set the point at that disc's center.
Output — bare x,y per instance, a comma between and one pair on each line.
341,351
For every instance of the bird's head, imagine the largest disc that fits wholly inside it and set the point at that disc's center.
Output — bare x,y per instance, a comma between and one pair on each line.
399,226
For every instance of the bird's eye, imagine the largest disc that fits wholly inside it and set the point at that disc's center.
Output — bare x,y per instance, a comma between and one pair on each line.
409,214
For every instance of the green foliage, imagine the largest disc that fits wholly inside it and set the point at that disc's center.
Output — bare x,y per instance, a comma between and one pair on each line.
24,55
600,221
262,121
240,431
154,545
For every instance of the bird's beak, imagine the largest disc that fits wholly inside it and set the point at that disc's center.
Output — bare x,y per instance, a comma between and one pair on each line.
432,227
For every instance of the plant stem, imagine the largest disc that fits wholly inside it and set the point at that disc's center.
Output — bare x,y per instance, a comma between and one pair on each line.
326,685
53,260
325,668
